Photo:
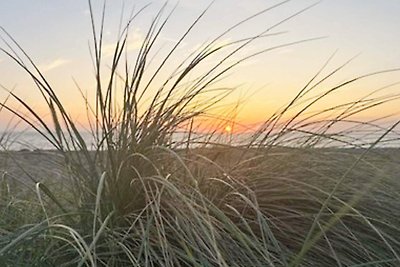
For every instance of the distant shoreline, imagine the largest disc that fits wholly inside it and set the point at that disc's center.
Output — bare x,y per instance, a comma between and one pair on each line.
32,141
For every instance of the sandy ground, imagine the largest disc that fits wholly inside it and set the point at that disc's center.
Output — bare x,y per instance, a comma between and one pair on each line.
28,167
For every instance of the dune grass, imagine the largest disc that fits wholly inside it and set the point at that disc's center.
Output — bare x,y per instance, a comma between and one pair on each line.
141,198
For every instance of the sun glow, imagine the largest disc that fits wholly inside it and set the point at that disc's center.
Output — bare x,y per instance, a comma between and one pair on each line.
228,128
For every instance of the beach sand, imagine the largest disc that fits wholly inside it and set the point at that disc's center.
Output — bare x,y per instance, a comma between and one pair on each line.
22,169
27,167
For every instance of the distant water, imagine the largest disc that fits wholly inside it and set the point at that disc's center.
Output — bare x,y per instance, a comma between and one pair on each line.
28,140
31,141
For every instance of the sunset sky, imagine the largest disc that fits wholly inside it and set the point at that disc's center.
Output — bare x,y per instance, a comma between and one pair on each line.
56,35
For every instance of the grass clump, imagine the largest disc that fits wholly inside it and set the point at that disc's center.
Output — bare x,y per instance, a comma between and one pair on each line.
139,197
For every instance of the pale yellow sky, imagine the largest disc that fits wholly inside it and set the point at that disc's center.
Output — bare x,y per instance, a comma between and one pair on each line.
56,35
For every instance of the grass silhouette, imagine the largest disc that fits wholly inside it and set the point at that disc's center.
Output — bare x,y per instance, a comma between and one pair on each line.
141,198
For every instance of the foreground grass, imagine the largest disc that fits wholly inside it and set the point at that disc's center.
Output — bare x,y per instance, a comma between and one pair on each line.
254,212
140,198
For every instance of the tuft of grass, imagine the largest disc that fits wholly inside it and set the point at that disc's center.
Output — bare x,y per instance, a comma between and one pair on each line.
140,198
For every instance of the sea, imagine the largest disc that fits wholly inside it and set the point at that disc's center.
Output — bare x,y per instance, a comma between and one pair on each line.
31,140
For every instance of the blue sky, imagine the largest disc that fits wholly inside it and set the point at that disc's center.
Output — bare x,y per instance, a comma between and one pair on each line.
57,33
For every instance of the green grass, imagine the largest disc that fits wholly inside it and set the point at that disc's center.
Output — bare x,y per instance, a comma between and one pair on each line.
139,198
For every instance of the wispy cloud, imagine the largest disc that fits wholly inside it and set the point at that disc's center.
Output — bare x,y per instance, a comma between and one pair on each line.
53,64
216,44
134,42
174,41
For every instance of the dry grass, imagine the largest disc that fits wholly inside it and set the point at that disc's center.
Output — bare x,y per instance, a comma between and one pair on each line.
139,199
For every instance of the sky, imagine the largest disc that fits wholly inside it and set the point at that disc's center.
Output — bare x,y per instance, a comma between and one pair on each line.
57,34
